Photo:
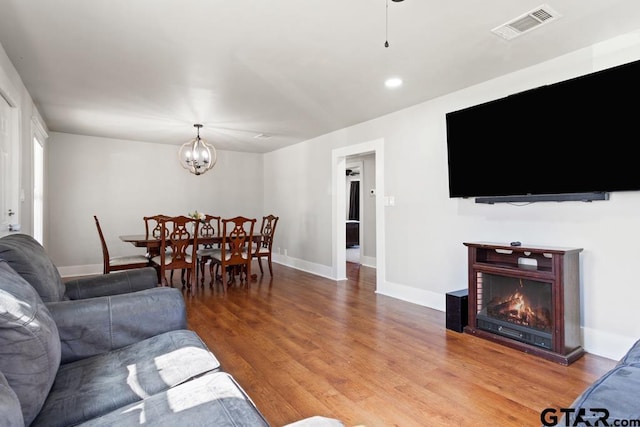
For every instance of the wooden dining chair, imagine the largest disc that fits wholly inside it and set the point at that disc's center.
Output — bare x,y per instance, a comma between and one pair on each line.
235,251
118,263
178,240
263,250
209,228
153,225
153,230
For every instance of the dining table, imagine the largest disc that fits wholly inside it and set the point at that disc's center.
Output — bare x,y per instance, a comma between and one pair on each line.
153,243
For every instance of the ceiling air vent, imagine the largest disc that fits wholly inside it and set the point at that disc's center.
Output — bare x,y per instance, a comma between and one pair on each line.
533,19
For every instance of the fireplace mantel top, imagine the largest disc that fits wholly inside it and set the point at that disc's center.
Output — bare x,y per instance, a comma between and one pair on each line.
527,248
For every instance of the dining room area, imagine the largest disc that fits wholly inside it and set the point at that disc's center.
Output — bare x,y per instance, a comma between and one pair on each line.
195,244
136,180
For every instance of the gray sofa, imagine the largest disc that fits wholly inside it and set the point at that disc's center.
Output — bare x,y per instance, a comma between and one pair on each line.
106,351
613,399
29,259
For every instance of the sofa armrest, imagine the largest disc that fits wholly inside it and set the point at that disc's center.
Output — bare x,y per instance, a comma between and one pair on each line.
112,284
96,325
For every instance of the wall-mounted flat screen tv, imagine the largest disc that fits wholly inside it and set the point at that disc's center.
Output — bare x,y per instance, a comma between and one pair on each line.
573,140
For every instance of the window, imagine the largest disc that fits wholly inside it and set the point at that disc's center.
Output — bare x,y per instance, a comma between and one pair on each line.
39,136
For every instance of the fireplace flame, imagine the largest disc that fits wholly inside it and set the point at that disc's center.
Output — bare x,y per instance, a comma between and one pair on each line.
516,309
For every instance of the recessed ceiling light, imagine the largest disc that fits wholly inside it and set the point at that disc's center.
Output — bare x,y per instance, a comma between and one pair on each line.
262,136
393,82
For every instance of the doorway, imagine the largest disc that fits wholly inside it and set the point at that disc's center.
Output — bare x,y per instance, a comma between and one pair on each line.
339,161
9,178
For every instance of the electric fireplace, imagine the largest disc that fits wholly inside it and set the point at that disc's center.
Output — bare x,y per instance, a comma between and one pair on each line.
516,308
527,298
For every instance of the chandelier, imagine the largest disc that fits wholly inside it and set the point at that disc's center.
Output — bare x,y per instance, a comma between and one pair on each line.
196,155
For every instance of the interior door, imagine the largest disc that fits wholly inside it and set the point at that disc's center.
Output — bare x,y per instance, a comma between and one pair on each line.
8,169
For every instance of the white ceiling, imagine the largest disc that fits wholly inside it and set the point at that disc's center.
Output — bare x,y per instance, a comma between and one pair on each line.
294,69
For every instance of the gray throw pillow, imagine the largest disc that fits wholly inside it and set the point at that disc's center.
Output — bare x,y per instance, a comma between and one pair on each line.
27,257
29,342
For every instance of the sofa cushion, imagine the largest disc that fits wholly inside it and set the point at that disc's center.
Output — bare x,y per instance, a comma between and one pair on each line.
9,405
29,342
616,391
26,256
214,400
97,385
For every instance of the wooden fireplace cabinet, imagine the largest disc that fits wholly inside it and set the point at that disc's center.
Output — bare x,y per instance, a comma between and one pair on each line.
557,266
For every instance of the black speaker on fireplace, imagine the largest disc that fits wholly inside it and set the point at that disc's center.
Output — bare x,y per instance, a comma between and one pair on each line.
457,309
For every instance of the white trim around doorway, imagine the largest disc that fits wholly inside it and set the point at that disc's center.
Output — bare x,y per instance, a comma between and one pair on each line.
338,165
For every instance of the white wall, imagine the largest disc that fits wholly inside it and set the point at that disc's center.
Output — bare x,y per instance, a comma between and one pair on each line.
123,181
425,230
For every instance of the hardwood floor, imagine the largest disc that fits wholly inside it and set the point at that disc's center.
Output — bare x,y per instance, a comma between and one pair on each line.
301,345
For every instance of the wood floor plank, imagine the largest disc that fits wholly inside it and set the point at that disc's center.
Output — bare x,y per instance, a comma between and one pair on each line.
303,345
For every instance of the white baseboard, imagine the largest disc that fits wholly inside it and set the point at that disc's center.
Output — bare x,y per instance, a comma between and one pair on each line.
302,265
368,261
298,264
80,270
607,345
413,295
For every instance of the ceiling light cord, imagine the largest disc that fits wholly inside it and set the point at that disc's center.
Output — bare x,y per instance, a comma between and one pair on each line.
386,25
386,22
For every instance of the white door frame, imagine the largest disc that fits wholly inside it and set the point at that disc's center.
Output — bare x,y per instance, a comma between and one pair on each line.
339,217
9,156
